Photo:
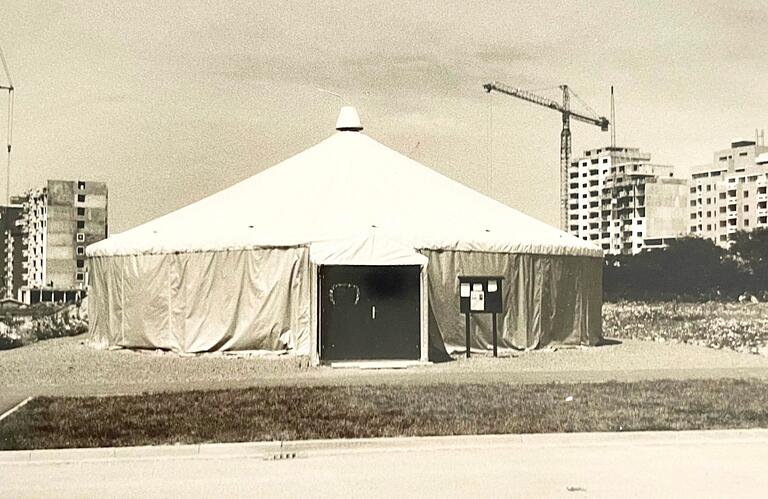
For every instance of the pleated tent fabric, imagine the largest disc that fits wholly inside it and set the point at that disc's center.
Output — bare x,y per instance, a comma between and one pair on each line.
548,300
202,301
235,270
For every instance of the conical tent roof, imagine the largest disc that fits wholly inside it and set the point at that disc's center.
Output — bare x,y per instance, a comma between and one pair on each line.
342,188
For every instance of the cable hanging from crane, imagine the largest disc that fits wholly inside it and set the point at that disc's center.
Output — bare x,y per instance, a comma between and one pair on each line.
9,137
592,111
490,145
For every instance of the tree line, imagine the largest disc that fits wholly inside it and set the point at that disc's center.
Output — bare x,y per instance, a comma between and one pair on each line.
692,268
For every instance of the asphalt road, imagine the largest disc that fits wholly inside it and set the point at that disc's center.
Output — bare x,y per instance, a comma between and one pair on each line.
664,464
9,400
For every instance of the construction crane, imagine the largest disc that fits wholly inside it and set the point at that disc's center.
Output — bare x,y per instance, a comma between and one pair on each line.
565,135
9,88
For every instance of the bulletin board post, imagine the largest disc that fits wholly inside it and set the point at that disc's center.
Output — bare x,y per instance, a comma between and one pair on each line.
480,295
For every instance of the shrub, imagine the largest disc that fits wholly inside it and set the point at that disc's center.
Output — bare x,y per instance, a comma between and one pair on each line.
9,337
739,327
42,322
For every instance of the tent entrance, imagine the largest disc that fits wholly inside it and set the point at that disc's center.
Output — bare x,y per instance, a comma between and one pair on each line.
370,312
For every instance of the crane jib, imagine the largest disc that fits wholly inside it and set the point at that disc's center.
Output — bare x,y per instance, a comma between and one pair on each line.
565,135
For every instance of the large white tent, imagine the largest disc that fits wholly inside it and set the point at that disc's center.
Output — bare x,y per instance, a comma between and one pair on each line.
246,268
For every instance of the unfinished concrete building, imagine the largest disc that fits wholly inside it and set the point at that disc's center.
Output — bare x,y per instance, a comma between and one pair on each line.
59,221
622,202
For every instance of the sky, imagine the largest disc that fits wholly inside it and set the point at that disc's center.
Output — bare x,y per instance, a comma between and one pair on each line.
168,102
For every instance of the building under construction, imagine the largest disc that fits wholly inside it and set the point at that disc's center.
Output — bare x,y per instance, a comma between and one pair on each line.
620,201
46,242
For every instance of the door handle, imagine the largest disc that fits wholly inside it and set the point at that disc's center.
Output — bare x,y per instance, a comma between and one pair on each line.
373,311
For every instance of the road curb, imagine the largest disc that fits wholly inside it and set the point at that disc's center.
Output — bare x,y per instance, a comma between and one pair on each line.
277,450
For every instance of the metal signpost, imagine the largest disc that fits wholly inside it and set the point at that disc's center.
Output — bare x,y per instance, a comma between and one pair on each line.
480,295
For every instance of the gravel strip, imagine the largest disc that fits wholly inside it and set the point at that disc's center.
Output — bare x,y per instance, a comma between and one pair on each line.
66,366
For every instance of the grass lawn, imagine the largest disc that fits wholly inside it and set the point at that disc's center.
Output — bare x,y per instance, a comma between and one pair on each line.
291,413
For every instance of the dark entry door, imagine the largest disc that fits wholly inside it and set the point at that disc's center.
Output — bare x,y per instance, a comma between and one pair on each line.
369,312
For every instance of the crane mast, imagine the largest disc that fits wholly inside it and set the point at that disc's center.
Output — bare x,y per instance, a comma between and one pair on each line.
564,109
9,141
565,158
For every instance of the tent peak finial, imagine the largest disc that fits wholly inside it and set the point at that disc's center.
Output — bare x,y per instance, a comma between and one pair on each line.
348,121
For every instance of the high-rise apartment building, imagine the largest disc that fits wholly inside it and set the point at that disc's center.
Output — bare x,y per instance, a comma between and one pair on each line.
13,246
59,221
622,202
730,194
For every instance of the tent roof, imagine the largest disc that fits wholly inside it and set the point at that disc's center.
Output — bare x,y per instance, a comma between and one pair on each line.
342,188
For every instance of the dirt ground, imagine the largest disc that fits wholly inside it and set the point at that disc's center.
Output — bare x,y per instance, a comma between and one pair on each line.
66,366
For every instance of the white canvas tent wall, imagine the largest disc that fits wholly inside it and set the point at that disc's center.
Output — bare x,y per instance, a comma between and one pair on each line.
234,270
